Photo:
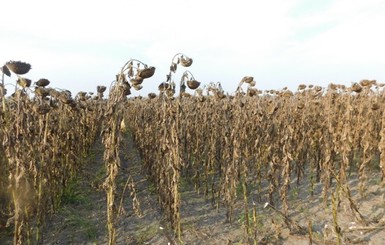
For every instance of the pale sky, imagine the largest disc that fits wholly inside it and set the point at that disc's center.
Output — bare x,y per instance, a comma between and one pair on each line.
80,44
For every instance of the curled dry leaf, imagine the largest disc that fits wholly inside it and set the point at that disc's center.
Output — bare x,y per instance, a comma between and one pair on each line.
130,72
121,78
54,93
220,95
5,70
317,88
170,92
65,98
41,108
173,67
136,81
137,87
126,88
42,92
18,94
24,82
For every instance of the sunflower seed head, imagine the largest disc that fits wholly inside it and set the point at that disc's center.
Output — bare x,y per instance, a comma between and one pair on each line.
18,67
301,86
151,95
185,61
101,89
367,83
146,72
356,88
42,82
193,84
247,79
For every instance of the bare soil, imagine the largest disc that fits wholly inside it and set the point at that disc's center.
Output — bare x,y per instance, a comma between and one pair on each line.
82,220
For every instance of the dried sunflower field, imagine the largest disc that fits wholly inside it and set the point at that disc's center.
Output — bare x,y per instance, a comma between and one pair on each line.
255,167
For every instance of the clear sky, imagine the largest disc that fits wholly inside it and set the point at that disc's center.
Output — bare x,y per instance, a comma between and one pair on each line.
80,44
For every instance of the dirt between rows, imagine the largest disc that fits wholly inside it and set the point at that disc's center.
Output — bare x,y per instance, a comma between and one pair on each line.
82,219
